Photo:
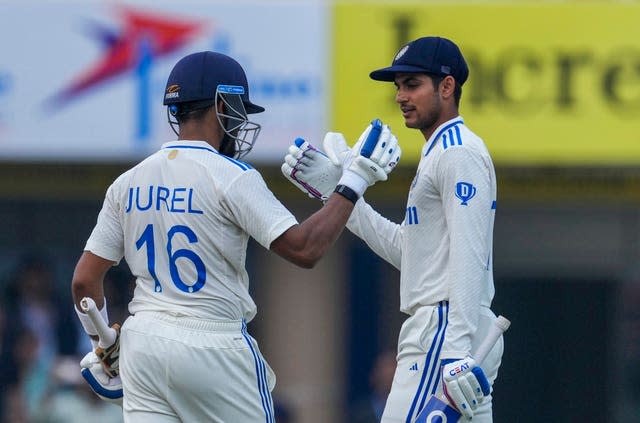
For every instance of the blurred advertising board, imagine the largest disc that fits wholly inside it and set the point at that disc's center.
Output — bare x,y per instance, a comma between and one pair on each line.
84,80
550,82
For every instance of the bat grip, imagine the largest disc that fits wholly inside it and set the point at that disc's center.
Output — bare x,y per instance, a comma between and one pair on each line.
498,327
106,335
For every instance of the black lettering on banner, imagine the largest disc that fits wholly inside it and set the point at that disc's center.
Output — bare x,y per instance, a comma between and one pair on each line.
482,83
402,25
519,73
522,80
621,80
569,64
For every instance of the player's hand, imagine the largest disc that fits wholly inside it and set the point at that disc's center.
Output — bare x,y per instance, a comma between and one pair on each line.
311,170
465,385
372,158
110,357
107,388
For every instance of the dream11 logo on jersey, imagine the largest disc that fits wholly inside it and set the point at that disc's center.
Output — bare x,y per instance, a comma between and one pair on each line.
465,192
143,37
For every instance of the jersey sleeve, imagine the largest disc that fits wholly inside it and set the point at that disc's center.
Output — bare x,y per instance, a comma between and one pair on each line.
465,183
107,238
255,209
383,236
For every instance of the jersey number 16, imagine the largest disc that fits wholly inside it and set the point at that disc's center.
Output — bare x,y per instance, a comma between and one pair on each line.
148,238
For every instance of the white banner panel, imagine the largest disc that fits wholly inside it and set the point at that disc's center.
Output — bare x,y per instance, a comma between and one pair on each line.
84,80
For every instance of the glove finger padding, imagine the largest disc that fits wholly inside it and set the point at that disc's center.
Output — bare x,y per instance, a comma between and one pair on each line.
357,147
457,399
387,153
106,388
311,170
368,170
289,172
291,161
311,161
384,156
295,151
467,390
381,145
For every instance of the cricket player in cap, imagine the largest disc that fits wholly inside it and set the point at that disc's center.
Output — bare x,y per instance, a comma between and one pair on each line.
443,248
181,219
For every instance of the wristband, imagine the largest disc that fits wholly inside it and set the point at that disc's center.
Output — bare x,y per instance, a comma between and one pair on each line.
354,181
347,193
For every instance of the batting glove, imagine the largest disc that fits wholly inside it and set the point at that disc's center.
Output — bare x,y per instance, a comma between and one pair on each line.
110,356
106,388
311,170
465,385
372,158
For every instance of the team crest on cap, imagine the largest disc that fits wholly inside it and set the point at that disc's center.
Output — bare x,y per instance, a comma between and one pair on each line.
401,53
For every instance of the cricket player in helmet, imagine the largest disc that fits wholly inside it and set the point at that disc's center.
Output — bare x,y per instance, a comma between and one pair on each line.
181,219
231,90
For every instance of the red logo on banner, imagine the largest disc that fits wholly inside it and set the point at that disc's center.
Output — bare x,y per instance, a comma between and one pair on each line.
162,34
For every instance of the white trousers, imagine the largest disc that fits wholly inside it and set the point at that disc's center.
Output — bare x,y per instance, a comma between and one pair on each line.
417,375
178,369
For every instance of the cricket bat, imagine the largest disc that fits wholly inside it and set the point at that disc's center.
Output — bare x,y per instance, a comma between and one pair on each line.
106,335
437,410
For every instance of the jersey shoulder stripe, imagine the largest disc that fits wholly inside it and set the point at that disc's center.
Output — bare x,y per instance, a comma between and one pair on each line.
452,130
451,137
241,165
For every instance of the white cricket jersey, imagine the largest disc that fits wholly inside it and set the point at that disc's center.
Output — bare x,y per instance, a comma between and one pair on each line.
443,247
182,219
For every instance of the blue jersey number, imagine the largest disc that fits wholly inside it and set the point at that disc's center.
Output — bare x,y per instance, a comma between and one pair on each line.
148,238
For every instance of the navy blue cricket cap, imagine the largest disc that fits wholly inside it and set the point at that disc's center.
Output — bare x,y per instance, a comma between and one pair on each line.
196,77
433,55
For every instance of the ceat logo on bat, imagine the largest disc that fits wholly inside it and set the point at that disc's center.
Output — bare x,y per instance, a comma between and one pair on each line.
142,33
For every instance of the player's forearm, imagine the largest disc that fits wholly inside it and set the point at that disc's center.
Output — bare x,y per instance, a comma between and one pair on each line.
81,287
468,279
464,314
381,235
306,243
88,278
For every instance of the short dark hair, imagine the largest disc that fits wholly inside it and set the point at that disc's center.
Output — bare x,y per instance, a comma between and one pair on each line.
191,114
457,91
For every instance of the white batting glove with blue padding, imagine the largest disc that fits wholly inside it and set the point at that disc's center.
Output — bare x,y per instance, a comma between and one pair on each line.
465,385
336,149
107,388
311,170
372,158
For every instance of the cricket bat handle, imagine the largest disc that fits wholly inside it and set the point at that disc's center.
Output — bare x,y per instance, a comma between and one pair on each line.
498,327
106,334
